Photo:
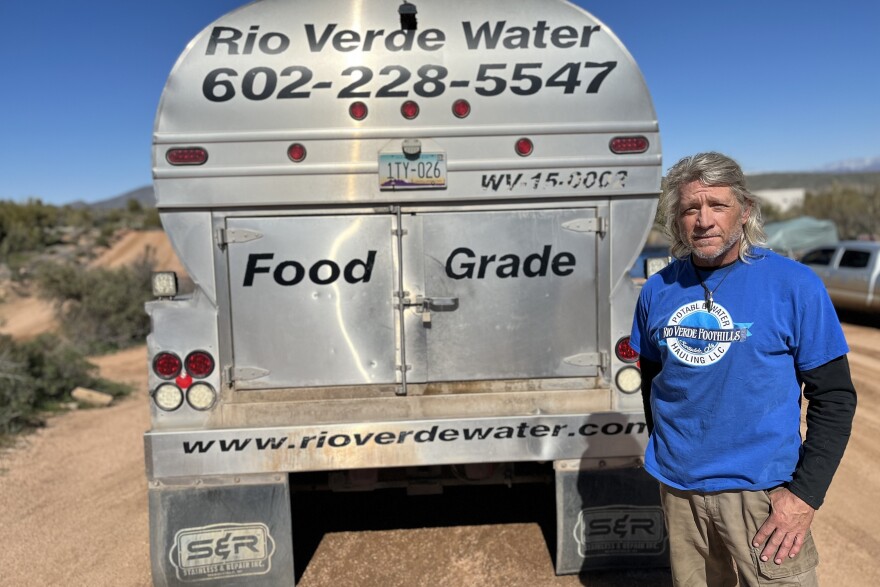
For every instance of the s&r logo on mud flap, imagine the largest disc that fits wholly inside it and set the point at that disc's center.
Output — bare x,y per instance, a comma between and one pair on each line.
222,550
620,530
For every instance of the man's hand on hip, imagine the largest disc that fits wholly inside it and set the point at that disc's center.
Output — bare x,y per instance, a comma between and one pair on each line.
786,529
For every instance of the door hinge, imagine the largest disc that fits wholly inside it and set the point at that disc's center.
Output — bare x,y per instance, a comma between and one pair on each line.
598,225
599,359
233,374
226,236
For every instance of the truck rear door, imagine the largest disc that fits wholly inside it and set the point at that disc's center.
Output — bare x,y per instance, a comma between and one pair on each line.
507,294
486,295
311,300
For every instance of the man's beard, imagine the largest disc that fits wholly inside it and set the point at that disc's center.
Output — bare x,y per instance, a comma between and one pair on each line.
732,241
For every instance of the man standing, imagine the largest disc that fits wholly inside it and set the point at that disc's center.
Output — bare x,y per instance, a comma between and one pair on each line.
728,333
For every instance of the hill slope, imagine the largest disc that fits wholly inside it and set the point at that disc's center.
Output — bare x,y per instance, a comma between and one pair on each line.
26,316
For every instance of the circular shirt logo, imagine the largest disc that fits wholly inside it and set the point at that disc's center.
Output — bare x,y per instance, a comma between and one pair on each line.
698,337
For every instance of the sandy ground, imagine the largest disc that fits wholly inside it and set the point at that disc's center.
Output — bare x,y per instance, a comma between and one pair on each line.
73,510
25,317
132,246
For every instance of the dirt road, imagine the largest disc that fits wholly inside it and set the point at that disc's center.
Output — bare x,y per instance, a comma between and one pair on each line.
73,511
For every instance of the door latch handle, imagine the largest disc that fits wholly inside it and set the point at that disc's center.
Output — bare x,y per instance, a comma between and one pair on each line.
424,304
439,304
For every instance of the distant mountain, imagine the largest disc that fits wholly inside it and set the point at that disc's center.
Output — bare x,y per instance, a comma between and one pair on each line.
862,164
812,182
143,195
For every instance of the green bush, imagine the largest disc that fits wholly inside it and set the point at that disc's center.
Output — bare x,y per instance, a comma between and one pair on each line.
855,211
27,227
38,375
100,310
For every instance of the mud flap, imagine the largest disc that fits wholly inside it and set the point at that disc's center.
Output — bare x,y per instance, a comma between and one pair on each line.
607,518
228,532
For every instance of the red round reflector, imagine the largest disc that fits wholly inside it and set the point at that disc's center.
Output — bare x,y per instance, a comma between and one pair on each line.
199,364
524,147
625,352
624,145
461,108
358,110
167,365
187,156
296,152
409,109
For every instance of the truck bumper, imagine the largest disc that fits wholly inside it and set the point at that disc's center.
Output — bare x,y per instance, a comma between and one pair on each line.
538,437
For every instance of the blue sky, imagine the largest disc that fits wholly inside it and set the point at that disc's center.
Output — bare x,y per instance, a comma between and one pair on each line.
778,84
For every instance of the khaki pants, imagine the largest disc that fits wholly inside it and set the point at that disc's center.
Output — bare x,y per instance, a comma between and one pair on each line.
710,541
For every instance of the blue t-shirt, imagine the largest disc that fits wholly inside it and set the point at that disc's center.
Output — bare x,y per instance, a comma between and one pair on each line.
726,403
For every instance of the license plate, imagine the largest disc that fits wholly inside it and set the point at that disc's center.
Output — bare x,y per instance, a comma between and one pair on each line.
400,172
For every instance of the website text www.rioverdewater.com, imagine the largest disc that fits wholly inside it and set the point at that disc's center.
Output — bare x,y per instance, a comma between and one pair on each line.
331,440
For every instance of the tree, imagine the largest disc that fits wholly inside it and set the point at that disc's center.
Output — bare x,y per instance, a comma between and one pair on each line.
855,211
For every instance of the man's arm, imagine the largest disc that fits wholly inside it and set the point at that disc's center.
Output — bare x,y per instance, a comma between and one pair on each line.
650,369
832,405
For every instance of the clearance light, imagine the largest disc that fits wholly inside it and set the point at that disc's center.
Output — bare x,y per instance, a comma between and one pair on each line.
199,364
625,352
168,397
296,152
167,365
461,108
358,110
524,147
627,145
409,109
187,156
201,396
629,380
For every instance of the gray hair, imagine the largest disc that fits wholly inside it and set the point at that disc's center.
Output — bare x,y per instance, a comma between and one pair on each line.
713,170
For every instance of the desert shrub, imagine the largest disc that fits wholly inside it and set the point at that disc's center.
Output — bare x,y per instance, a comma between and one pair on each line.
38,375
100,309
855,211
27,227
151,218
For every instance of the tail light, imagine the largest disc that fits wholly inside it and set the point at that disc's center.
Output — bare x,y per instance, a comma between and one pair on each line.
167,365
628,145
629,379
625,352
201,396
199,364
168,397
186,156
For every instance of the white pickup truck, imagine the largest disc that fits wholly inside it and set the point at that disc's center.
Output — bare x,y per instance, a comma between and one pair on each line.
850,271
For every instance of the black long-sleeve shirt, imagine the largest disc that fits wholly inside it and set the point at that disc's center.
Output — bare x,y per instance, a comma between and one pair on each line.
831,406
